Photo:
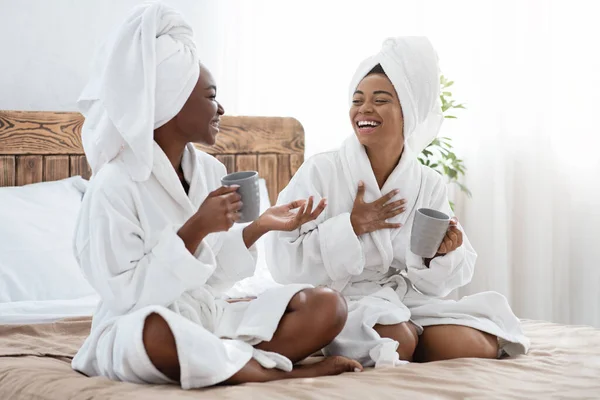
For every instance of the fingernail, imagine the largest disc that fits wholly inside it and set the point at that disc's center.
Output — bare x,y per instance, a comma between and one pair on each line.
357,370
360,183
396,191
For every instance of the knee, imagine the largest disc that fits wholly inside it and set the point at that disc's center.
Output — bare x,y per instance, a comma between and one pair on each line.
485,345
160,346
328,308
408,341
405,334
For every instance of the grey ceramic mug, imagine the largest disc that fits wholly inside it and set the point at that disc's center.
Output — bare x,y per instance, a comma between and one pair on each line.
428,231
248,190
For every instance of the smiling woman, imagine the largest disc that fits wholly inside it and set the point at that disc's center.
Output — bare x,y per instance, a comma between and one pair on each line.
374,185
376,115
201,110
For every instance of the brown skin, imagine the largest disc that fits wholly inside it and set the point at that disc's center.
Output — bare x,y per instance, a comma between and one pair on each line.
314,317
375,99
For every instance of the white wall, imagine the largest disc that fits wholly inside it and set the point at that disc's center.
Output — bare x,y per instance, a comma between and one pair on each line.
46,46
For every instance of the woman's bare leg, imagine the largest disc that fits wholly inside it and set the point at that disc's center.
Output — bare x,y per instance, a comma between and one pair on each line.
405,334
254,372
314,318
159,343
445,342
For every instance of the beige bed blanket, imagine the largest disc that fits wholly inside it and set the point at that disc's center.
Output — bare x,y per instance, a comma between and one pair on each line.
564,362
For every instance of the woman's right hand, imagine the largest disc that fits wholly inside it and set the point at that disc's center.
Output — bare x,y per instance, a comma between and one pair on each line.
217,213
370,217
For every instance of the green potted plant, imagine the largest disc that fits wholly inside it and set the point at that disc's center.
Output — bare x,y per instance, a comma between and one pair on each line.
439,155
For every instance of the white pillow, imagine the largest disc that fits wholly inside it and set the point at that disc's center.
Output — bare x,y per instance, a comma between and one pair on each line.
36,242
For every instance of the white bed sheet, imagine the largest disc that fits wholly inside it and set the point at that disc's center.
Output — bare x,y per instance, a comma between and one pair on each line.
36,312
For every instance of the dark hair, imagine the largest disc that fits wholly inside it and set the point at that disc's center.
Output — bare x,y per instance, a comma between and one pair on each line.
376,70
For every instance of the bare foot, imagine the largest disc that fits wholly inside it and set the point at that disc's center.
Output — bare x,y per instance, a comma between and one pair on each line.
334,365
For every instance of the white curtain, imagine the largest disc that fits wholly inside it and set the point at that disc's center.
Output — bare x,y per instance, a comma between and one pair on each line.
529,72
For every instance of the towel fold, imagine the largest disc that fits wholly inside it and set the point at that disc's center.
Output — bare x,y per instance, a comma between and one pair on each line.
141,79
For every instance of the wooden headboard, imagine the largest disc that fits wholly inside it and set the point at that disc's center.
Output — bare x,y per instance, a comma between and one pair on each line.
45,146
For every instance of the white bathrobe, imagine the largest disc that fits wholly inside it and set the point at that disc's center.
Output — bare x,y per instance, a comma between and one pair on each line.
127,245
383,282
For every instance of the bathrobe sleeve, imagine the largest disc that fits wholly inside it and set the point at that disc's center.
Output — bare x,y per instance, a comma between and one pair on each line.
447,272
127,272
320,251
234,260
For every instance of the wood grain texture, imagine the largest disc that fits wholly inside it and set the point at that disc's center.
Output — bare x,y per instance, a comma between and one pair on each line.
228,161
79,166
296,161
284,172
267,169
243,135
246,163
56,133
7,171
29,170
40,146
56,167
33,132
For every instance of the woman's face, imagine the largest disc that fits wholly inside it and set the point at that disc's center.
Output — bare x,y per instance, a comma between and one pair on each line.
200,116
376,114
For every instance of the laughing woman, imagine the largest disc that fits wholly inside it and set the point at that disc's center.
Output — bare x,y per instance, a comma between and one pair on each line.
368,193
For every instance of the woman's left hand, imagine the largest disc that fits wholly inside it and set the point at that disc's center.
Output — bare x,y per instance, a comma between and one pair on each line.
453,239
283,218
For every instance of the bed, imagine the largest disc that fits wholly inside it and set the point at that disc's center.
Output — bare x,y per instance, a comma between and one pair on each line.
38,338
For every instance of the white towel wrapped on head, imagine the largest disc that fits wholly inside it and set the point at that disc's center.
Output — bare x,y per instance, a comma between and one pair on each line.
141,79
411,64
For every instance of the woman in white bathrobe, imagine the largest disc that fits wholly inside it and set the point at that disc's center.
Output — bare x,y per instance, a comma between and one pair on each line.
370,190
155,236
